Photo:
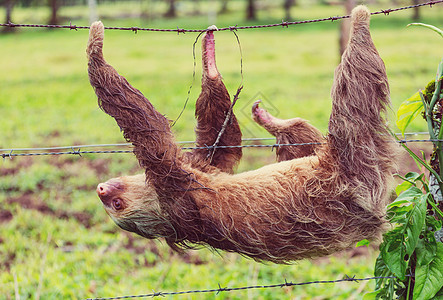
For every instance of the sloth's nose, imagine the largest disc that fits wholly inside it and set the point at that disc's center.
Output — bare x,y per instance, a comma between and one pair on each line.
103,191
109,190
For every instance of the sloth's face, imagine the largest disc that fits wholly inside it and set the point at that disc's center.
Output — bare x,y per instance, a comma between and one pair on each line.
133,205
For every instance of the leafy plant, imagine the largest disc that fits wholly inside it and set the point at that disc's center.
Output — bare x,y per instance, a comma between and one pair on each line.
411,254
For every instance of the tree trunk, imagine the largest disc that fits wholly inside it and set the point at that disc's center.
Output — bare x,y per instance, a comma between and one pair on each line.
171,13
54,9
224,8
416,15
345,26
251,10
196,7
92,4
212,11
9,4
287,7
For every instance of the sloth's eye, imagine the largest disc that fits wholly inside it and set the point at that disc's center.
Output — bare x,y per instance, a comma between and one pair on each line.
117,204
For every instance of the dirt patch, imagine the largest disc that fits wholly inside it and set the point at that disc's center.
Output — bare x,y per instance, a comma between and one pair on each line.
100,166
362,251
17,165
29,200
5,216
54,134
83,218
60,162
191,257
140,245
7,262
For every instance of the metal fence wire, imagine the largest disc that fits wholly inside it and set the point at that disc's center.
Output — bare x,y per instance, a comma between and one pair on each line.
231,28
227,289
77,150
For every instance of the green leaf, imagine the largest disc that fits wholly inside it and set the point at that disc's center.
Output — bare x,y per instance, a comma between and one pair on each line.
409,196
439,70
400,203
363,242
410,179
371,295
439,295
408,111
415,224
393,252
428,278
433,223
405,185
383,286
436,29
435,207
426,251
380,270
414,176
427,246
400,243
399,214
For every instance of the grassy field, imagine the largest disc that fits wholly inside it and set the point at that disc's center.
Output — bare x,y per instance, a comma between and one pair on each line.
56,241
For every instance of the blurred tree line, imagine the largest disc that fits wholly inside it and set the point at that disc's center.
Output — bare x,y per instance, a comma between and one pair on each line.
251,8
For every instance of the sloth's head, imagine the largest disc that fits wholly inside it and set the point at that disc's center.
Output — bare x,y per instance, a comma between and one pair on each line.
133,204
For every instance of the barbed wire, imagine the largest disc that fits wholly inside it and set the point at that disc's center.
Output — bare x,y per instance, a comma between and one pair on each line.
52,151
227,289
231,28
179,142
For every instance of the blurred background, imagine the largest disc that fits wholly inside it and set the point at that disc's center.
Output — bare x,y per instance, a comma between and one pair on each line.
56,240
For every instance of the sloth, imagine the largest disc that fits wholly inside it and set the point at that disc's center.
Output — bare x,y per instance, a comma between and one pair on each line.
317,199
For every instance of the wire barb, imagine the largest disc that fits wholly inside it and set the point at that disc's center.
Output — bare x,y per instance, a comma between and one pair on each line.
154,294
286,283
220,289
350,278
72,27
76,152
179,30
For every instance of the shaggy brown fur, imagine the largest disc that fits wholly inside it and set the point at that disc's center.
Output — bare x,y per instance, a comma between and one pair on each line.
292,131
212,106
333,195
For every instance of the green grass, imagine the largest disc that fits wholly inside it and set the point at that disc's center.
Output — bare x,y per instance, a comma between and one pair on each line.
59,243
